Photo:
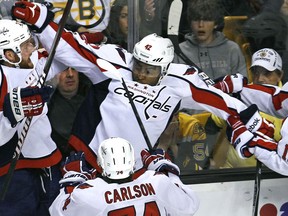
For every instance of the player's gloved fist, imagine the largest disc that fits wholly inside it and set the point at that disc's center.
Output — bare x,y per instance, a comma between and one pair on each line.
75,170
36,15
231,83
25,102
156,160
239,136
254,122
262,142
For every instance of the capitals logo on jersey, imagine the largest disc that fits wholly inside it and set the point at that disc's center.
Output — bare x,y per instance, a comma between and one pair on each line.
151,100
191,71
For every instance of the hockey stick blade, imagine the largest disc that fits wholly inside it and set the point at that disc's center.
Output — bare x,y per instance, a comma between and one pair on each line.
174,18
111,71
28,120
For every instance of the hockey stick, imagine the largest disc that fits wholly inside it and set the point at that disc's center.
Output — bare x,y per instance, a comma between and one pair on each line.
112,69
257,188
28,120
173,31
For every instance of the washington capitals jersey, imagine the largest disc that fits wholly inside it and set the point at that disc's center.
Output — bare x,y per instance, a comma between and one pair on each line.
150,194
107,112
38,149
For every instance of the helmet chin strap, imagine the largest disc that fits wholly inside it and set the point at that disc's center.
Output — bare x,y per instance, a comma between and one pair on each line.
163,74
160,78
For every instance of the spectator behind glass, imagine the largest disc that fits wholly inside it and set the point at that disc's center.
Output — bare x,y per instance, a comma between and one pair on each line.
266,30
154,17
117,31
64,103
186,142
208,47
71,88
239,8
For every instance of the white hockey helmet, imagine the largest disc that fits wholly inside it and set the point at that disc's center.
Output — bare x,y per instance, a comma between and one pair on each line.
155,50
12,35
116,157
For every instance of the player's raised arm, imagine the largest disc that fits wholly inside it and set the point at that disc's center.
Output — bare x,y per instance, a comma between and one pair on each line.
72,49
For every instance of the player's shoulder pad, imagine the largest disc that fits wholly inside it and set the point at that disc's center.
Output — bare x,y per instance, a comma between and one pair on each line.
181,69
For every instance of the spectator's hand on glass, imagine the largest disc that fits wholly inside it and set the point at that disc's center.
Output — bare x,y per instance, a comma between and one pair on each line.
149,10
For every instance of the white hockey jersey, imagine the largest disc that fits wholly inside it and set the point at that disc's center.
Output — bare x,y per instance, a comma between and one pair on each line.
272,100
106,112
38,150
150,194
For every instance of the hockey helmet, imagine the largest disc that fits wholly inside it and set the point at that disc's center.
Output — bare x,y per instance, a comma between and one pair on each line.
12,35
155,50
265,30
116,157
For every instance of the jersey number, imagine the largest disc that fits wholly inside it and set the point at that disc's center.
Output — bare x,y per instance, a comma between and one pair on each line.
151,209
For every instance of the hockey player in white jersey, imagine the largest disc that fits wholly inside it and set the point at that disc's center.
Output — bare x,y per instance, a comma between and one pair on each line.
158,191
270,99
21,66
156,86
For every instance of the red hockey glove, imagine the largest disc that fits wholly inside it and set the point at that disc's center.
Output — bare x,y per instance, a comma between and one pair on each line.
75,170
76,162
239,136
156,160
36,15
231,83
25,102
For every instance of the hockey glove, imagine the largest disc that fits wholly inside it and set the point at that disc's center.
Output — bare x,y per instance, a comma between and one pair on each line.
239,136
36,15
75,170
156,160
263,143
25,102
231,83
254,122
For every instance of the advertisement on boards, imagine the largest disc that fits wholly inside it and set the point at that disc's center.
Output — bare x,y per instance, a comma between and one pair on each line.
236,198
